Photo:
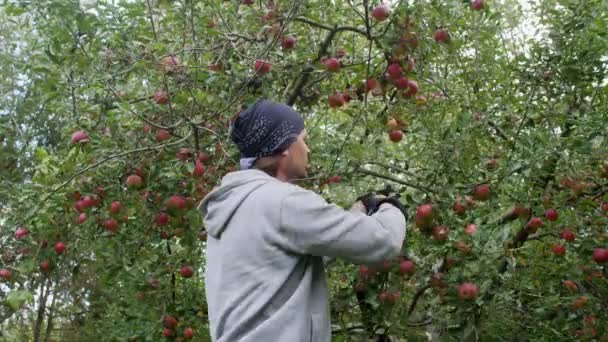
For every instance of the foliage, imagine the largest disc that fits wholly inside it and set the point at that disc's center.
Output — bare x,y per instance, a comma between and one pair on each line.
147,80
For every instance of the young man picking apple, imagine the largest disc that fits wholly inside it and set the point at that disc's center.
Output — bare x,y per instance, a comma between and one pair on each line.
264,276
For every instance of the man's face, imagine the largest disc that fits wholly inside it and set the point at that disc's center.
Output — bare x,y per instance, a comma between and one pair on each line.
296,163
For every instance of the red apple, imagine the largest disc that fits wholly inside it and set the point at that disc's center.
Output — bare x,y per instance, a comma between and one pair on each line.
59,247
396,135
82,217
288,42
442,36
162,219
477,5
80,137
21,232
412,88
470,229
600,255
171,64
401,83
381,12
570,285
176,202
468,291
332,64
161,97
534,224
492,164
199,170
188,333
458,208
425,211
262,67
167,332
187,271
162,135
169,321
45,266
336,100
111,225
551,214
407,267
115,207
6,274
134,181
482,192
568,235
394,71
440,233
559,250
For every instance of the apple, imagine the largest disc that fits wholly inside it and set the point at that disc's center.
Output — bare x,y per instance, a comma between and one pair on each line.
162,219
115,207
407,267
534,224
82,217
442,36
477,5
412,89
21,233
261,67
401,83
551,214
396,135
164,235
394,71
334,179
161,97
80,137
411,64
60,247
176,202
171,64
458,208
199,170
570,285
568,235
169,321
470,229
559,250
421,100
392,123
482,192
167,332
288,42
440,233
111,225
6,274
134,181
162,135
186,271
381,12
188,333
45,266
371,84
332,64
468,291
492,164
336,100
600,255
580,302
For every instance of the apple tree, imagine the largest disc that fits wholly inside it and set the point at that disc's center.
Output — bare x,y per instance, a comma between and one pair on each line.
487,118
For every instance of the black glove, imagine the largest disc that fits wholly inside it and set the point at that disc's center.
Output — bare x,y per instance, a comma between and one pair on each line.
372,203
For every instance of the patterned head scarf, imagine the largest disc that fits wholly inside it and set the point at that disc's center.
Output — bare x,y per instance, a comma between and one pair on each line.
264,129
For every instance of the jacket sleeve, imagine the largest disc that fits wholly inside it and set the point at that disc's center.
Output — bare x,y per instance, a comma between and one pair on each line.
310,225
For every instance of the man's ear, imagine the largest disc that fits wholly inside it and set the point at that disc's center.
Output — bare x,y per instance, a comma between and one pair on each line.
285,153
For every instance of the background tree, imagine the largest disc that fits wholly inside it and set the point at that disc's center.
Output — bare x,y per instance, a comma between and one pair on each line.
114,125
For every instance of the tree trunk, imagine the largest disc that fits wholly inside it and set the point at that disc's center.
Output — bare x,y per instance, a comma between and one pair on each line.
49,322
44,291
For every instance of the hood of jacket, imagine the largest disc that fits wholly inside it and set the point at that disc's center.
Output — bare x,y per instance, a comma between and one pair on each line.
222,202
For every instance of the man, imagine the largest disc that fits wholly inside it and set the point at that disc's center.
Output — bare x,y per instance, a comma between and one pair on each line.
267,237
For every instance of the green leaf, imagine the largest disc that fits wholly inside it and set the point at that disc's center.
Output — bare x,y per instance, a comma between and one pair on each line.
15,299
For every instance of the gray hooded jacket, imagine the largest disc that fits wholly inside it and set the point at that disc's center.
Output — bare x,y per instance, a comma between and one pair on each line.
264,274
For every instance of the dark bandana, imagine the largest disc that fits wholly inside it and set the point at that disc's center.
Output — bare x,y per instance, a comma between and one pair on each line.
263,129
